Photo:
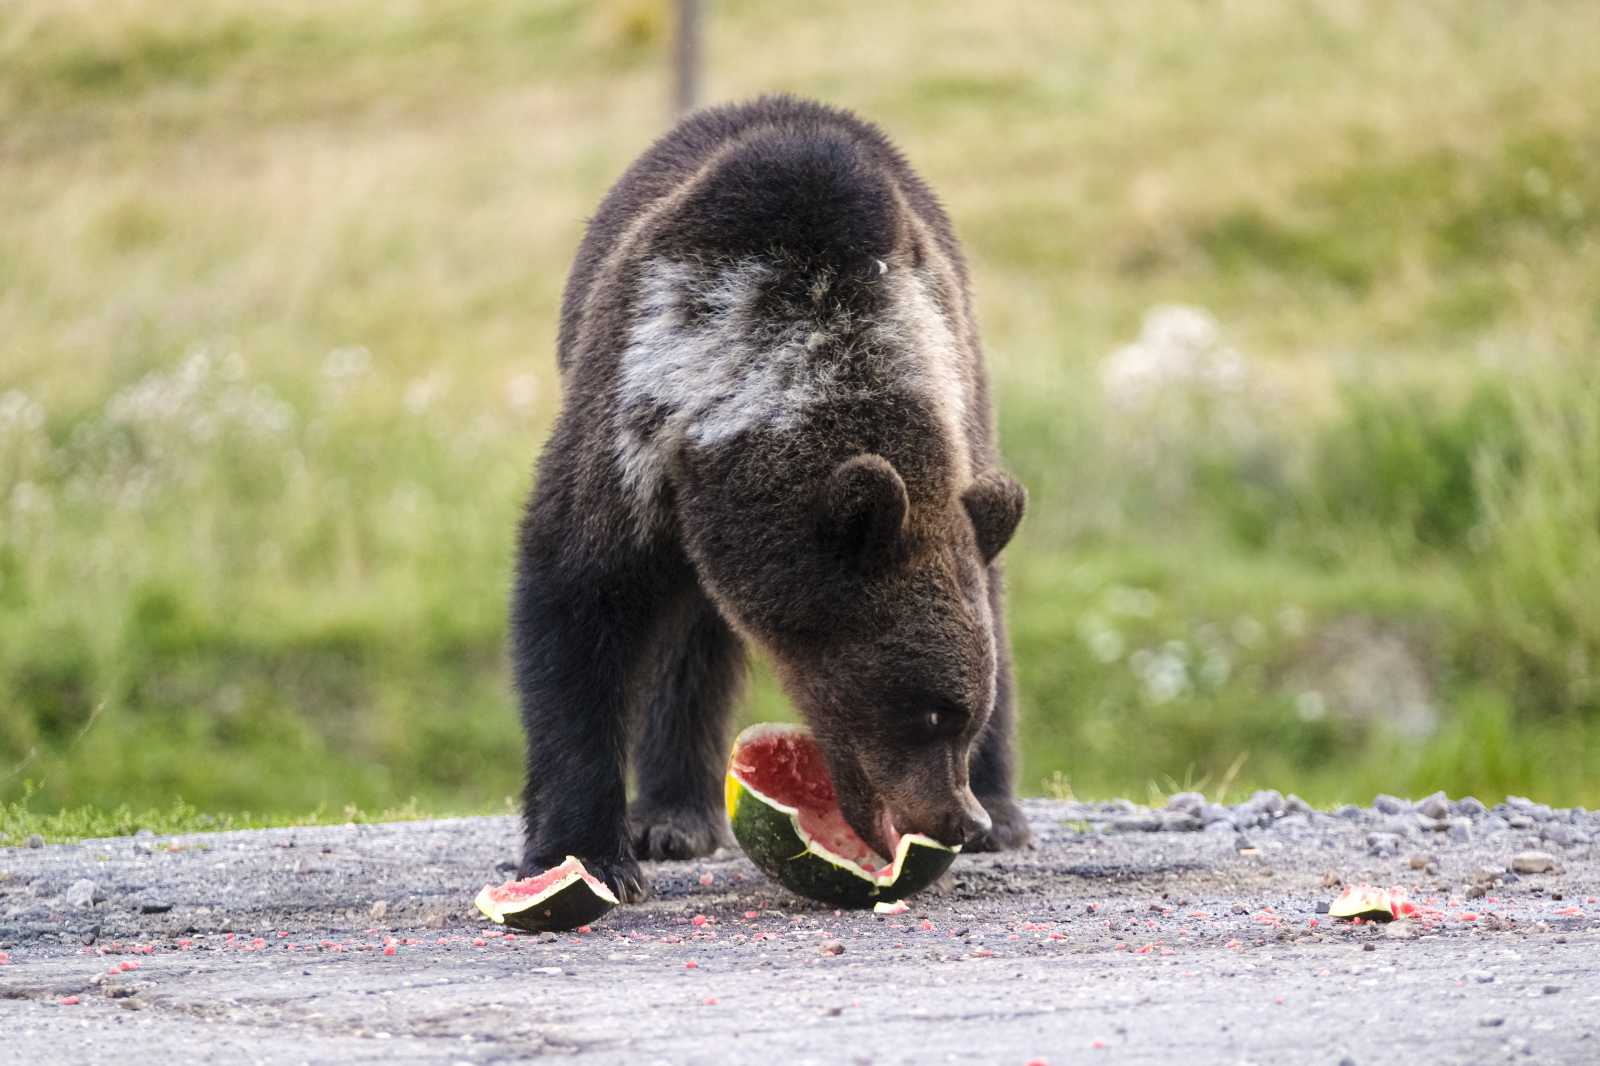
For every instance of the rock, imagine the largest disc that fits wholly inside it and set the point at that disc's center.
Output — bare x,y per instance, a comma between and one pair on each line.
1384,803
1470,806
1295,805
1398,931
378,910
1400,825
36,841
1520,821
1190,802
1219,827
1139,823
1350,812
1292,822
1383,844
1533,862
1494,1021
1436,806
831,947
1565,836
1461,830
1179,822
1216,812
1429,824
81,894
155,908
1268,801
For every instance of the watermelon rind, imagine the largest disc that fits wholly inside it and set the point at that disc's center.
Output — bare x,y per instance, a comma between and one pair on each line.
1363,901
566,904
769,831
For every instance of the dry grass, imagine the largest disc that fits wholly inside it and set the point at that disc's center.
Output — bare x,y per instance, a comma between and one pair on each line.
1366,195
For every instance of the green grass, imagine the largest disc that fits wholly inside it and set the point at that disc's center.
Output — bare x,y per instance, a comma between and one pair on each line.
20,824
278,291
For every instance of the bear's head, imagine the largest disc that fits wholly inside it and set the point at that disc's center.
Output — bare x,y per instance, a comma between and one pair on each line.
875,607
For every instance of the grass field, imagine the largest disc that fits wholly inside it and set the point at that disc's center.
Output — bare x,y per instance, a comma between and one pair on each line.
1292,308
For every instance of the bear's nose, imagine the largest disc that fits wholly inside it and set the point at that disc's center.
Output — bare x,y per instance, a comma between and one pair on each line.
968,823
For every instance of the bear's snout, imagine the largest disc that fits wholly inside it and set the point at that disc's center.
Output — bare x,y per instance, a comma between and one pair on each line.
967,822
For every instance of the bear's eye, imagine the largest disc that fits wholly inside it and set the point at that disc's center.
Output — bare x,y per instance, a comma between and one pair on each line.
943,719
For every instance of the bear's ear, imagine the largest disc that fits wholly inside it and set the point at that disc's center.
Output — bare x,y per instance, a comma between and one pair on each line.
863,511
994,502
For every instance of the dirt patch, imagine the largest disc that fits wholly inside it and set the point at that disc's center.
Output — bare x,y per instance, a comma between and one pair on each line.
1196,931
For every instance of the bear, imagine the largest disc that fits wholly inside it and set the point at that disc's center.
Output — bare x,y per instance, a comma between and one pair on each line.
775,435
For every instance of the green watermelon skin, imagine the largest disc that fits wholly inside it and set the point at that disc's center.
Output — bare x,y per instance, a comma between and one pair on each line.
575,905
768,836
567,907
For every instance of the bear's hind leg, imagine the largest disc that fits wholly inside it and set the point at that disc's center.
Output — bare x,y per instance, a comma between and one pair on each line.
682,742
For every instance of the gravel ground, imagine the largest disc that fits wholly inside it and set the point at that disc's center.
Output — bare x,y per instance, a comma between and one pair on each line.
1192,933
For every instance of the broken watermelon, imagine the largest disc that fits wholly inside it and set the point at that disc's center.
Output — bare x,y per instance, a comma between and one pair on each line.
563,897
786,816
1368,902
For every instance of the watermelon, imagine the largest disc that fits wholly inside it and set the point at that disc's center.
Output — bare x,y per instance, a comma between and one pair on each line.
563,897
785,815
1363,901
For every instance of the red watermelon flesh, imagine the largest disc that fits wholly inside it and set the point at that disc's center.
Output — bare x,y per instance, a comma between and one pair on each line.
788,767
541,883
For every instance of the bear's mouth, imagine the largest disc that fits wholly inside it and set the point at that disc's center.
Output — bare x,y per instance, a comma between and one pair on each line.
888,836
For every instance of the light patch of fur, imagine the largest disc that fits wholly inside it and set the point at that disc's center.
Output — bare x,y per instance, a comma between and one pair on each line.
710,377
701,367
918,326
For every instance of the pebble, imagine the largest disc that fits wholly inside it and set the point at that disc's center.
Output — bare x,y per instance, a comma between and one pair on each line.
36,841
831,947
1533,862
1192,802
1384,803
1383,844
1471,806
81,894
1148,823
1267,800
1436,806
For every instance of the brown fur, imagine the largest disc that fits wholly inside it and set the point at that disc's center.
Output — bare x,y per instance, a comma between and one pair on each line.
775,430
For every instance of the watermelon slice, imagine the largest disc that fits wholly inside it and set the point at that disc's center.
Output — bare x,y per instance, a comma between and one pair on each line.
563,897
1368,902
785,815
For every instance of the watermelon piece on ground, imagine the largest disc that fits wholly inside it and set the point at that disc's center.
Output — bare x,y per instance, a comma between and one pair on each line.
563,897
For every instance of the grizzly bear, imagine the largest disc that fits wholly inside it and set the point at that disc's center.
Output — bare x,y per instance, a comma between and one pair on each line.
775,433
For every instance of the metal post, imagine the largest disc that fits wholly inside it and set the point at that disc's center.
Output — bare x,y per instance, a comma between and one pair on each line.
686,56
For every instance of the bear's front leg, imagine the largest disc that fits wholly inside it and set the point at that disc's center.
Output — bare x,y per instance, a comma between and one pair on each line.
993,770
682,744
578,631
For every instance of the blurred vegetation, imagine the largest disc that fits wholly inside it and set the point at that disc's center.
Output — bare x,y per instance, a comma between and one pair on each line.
1292,309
